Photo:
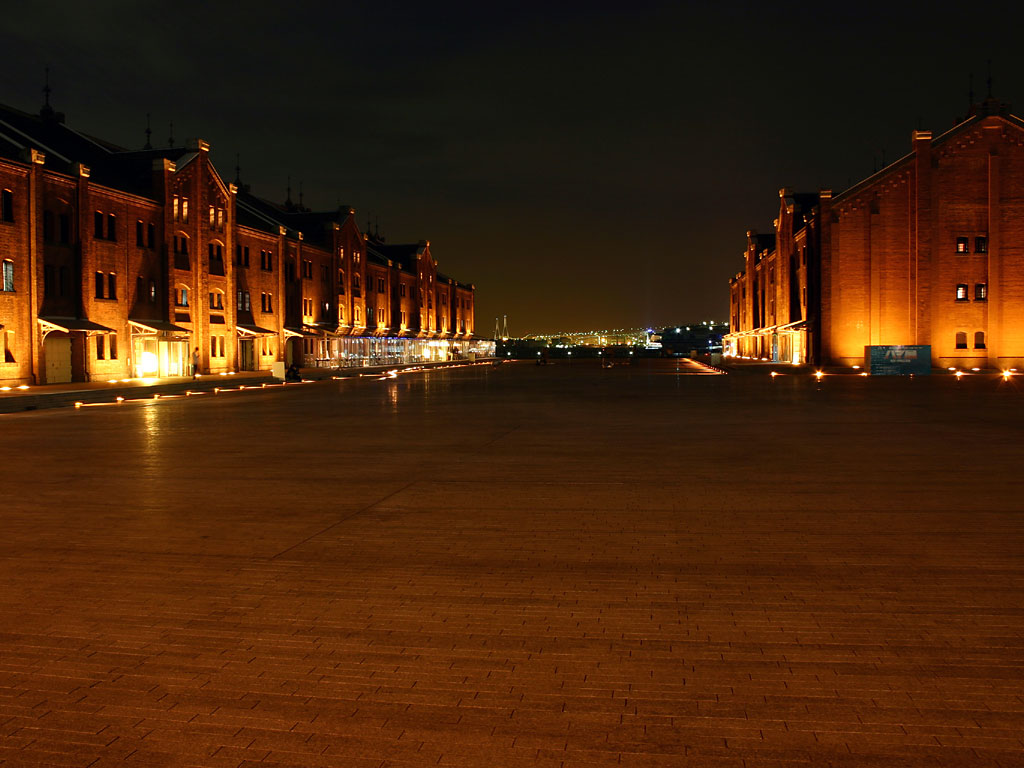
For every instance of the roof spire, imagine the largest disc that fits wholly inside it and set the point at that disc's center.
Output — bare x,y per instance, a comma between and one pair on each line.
149,134
300,193
288,194
170,139
47,110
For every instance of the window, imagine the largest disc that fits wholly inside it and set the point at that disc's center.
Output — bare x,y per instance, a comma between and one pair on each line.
980,291
961,292
112,285
380,316
242,256
981,245
266,260
356,257
961,340
380,285
356,312
181,297
7,205
220,218
97,221
176,206
152,291
243,301
100,279
307,269
181,245
961,245
979,339
140,234
355,285
267,302
341,281
325,274
7,344
99,347
151,235
111,227
140,288
212,216
216,346
184,209
401,290
216,300
403,318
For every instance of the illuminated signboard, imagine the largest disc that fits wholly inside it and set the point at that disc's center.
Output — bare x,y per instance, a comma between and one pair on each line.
898,360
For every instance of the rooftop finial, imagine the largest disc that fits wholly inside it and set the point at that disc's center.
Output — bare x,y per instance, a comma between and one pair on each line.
170,139
149,134
288,193
300,194
47,110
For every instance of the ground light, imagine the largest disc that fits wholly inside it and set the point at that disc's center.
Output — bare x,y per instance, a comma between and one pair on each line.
1007,375
818,375
959,375
774,374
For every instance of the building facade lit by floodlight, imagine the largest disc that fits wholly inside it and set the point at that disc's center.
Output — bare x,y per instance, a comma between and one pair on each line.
118,263
927,251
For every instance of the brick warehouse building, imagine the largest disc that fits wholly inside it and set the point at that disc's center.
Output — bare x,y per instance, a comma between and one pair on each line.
929,250
118,263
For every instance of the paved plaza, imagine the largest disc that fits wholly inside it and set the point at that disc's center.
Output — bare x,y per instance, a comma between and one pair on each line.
553,566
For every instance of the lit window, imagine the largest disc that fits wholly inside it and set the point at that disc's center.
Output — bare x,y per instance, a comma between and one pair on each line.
99,347
961,292
961,245
8,275
980,291
981,245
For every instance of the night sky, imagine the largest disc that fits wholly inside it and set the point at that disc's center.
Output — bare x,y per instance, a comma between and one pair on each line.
586,164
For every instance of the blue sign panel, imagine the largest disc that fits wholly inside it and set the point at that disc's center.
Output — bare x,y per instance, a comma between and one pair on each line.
898,360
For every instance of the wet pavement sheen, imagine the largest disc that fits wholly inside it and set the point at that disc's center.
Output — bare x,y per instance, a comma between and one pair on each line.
519,566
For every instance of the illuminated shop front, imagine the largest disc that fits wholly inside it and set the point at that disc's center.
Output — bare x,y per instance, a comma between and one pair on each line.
159,349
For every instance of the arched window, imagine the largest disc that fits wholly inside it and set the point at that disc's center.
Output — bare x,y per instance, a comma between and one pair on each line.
979,339
961,340
217,299
181,296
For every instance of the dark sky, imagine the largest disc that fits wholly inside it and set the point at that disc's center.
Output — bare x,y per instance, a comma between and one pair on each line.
586,164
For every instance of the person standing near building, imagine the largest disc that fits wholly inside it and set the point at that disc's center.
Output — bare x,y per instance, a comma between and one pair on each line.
195,362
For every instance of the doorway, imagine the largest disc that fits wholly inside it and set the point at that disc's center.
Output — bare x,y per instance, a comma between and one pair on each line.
57,350
246,354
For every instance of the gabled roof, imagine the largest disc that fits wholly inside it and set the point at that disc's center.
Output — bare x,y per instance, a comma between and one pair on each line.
109,165
986,109
315,226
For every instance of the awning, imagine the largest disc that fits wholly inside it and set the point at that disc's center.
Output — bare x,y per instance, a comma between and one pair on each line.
291,333
309,331
799,325
253,330
69,324
157,326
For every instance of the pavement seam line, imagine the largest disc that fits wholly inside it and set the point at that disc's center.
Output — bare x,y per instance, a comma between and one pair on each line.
343,519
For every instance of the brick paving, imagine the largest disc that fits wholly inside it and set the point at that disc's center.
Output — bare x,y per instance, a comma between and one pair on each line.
554,566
